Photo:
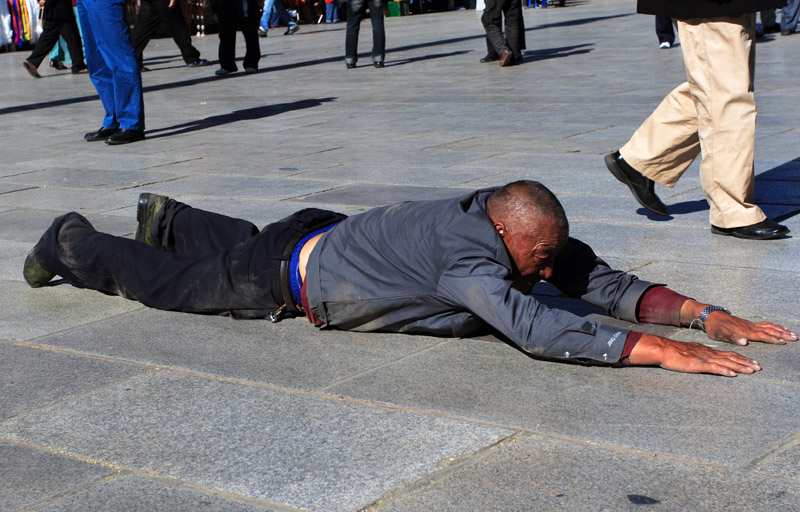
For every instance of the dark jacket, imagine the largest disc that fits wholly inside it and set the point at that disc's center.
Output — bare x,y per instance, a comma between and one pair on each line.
439,267
685,9
58,10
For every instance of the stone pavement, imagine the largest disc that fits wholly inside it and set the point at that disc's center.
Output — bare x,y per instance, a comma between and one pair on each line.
108,405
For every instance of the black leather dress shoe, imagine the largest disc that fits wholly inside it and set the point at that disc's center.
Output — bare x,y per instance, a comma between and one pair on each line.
125,137
101,134
490,57
643,189
765,230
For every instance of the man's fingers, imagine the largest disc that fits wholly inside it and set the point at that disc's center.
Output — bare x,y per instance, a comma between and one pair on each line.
697,358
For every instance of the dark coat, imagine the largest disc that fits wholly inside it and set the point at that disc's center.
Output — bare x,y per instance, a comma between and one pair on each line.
58,10
685,9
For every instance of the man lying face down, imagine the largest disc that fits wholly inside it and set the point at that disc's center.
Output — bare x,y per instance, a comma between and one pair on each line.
445,267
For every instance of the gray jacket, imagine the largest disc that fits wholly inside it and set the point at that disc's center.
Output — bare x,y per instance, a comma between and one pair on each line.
439,267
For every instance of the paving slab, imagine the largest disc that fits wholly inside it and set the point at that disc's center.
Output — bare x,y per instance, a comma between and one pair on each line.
539,473
28,313
128,492
34,378
291,353
28,475
322,454
640,408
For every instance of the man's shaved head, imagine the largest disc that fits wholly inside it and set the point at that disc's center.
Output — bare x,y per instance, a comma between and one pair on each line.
523,204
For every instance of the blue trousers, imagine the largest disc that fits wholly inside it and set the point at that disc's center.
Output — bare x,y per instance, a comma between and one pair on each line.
112,63
790,15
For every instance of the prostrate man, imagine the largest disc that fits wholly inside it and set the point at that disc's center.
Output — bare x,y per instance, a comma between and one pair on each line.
445,267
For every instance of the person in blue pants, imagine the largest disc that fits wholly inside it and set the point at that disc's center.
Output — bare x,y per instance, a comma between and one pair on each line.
113,69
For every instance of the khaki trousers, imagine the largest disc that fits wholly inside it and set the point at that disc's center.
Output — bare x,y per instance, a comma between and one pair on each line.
713,113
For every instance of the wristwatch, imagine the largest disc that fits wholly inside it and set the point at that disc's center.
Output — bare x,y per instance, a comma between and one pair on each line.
707,311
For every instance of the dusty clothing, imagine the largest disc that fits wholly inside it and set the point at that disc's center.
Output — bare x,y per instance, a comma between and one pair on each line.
440,267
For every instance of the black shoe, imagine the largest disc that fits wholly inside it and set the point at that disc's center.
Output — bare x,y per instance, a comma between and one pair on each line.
197,63
147,208
350,65
506,58
291,30
101,134
643,189
79,70
378,64
765,230
125,137
57,64
261,33
490,57
33,271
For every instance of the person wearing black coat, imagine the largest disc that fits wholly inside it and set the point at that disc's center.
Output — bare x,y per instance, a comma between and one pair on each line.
713,112
58,19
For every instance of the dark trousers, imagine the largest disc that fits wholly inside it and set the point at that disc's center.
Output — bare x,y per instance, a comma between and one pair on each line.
68,29
151,14
202,262
356,9
492,19
228,21
664,30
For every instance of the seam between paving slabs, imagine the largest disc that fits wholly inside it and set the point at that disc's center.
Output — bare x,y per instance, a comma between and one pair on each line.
778,448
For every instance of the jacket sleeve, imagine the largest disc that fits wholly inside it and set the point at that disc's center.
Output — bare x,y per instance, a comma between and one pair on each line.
483,287
579,273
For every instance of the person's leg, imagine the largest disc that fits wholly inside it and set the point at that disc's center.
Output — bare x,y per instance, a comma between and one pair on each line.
176,24
180,229
719,56
790,16
378,33
47,40
492,19
99,72
226,21
70,33
249,25
666,144
241,280
283,14
512,13
113,36
147,21
355,11
329,12
664,30
266,14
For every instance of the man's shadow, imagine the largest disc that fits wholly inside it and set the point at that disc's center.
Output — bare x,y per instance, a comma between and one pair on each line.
235,116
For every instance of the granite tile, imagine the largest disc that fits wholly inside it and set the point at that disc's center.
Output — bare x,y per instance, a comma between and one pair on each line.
640,408
27,313
323,454
129,492
32,377
28,475
539,473
291,353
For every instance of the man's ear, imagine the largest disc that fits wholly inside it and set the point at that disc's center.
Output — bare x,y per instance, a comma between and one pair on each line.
501,229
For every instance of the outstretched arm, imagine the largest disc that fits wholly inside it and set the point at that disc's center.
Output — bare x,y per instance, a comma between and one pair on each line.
723,326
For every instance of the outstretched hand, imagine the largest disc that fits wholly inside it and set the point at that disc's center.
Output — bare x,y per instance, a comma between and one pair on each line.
722,326
689,357
726,327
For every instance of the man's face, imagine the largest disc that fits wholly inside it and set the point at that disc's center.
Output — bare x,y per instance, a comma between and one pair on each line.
534,251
